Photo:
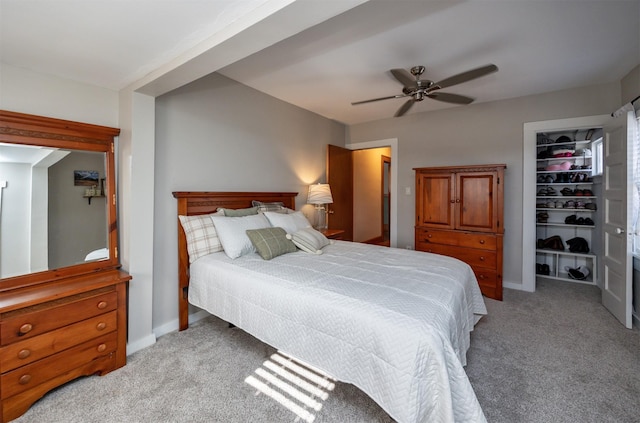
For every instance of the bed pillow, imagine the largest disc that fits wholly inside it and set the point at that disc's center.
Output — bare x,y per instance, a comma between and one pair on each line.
202,238
277,207
232,232
240,212
291,222
309,240
271,242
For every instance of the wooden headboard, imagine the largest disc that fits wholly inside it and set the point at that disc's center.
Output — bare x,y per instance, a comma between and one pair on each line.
193,203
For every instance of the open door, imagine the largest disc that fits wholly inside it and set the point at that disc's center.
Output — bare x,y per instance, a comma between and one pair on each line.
340,178
617,256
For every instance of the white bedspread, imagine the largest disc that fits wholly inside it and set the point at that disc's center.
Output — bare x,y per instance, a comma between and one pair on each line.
395,323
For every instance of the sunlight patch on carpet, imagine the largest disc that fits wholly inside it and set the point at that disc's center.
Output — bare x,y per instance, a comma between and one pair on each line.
296,385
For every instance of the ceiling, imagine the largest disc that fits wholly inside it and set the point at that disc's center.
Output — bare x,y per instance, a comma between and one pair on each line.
342,56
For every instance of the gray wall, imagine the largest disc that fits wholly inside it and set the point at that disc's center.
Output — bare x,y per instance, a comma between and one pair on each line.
475,134
217,135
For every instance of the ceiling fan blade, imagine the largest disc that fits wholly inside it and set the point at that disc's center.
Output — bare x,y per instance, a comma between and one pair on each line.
450,98
465,76
378,99
404,77
405,107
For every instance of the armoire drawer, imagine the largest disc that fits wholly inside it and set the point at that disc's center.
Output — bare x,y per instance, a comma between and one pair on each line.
457,238
24,352
32,321
486,277
473,257
31,375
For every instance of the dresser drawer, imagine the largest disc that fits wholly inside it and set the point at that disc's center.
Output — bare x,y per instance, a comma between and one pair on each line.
475,258
31,375
32,321
485,277
456,238
24,352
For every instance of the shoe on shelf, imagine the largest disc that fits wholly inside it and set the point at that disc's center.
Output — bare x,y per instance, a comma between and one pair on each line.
549,179
591,206
542,192
588,221
570,220
566,191
552,192
579,273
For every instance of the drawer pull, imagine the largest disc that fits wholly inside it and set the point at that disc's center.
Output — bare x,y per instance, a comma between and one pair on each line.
102,305
429,236
26,328
481,276
102,347
482,241
481,258
24,379
24,354
101,326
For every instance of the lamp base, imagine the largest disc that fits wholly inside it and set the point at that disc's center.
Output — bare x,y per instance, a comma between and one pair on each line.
321,218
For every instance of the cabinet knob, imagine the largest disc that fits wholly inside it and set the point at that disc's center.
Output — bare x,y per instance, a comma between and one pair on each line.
453,201
481,258
26,328
102,347
457,200
482,241
24,379
102,305
429,236
481,277
24,354
101,326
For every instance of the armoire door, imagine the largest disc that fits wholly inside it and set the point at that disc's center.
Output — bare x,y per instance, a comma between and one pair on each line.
476,201
435,200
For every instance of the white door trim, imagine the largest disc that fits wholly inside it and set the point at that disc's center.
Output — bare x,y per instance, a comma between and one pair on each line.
529,184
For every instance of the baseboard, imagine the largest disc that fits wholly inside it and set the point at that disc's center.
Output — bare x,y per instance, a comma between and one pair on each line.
173,325
514,285
141,344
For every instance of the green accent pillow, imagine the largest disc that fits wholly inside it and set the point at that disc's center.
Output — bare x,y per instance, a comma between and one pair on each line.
240,212
271,242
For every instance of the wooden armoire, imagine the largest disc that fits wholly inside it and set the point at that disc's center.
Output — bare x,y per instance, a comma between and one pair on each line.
459,213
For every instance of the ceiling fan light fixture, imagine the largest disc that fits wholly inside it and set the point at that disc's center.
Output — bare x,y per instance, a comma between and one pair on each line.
417,89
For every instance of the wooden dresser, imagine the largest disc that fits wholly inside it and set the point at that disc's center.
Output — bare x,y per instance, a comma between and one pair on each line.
52,334
63,302
459,213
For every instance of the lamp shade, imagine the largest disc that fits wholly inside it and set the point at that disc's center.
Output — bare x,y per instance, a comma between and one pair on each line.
319,194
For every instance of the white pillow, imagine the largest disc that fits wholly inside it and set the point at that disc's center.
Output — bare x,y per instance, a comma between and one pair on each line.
202,238
309,240
290,222
232,232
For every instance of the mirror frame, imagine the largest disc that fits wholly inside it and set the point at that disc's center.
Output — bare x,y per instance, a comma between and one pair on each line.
24,129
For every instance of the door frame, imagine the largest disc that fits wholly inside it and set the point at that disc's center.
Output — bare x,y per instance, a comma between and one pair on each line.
393,186
529,187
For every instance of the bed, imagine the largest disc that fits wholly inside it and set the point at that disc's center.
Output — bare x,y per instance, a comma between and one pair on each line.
395,323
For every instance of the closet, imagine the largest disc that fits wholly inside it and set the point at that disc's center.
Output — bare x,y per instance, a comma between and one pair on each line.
459,213
566,205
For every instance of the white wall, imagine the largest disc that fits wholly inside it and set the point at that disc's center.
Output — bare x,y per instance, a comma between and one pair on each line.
38,94
476,134
217,135
16,215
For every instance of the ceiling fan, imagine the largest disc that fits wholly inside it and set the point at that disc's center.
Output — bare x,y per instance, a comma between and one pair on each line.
418,89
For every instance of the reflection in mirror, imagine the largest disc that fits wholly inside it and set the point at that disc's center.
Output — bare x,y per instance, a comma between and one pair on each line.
48,218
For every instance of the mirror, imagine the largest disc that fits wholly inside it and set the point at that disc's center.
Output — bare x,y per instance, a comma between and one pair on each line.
57,211
47,194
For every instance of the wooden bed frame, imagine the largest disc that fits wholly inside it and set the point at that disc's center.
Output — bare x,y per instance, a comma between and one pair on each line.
191,203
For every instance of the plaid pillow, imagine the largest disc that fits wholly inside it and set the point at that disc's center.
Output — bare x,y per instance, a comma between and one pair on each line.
271,242
202,238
